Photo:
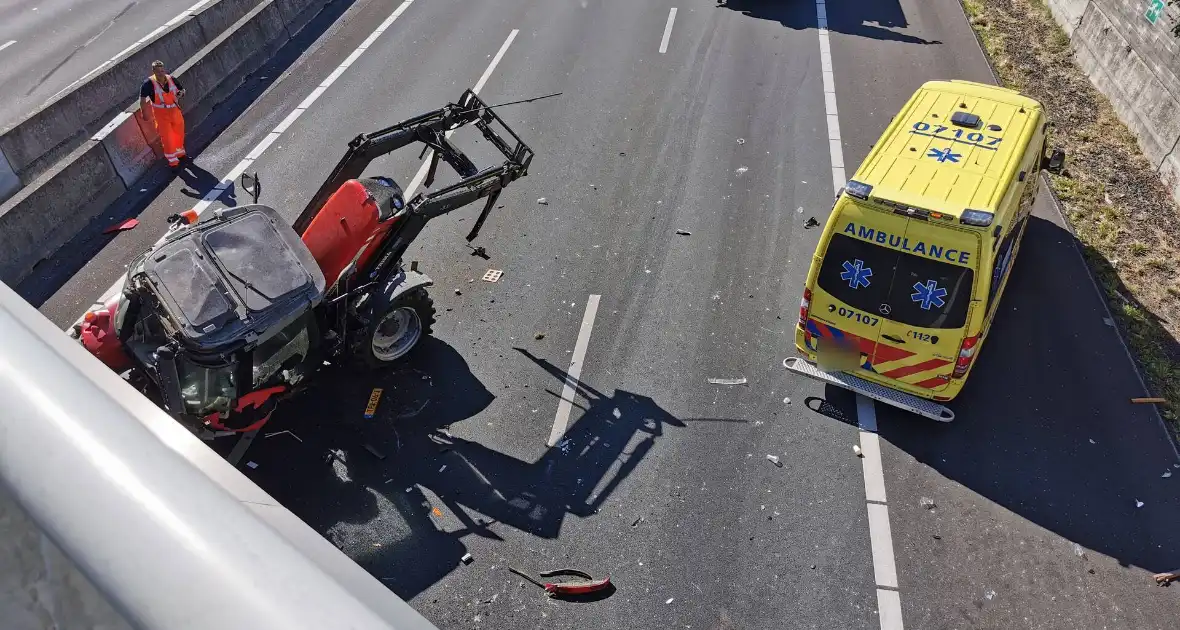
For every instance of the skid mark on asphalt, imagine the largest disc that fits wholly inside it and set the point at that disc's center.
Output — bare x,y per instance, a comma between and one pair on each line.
880,535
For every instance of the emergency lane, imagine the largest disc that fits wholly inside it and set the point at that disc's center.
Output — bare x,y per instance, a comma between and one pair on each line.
1036,483
46,46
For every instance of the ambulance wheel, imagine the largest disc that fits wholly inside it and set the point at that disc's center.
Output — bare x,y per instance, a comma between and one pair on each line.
396,331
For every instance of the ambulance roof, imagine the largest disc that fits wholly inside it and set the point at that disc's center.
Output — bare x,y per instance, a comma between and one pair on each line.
926,160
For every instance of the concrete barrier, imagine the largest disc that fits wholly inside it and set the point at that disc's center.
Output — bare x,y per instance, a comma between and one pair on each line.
32,146
75,190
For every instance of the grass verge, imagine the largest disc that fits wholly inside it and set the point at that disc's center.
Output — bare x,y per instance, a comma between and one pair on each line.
1126,220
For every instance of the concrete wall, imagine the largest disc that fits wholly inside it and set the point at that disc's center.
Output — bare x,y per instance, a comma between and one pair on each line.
1136,64
32,146
40,589
79,186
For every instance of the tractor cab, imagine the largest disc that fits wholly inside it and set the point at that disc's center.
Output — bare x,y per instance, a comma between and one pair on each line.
223,309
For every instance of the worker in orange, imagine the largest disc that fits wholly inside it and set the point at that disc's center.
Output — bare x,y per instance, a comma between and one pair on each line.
162,93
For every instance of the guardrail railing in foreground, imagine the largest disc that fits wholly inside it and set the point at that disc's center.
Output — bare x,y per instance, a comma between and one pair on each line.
173,536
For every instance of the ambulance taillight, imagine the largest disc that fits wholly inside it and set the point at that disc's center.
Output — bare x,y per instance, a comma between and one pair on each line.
966,354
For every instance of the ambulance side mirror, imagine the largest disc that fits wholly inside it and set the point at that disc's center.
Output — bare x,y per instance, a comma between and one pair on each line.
252,185
1054,162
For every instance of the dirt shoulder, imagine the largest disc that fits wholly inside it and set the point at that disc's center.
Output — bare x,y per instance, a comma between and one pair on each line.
1126,221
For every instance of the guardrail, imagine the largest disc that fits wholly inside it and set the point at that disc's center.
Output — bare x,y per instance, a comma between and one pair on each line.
172,535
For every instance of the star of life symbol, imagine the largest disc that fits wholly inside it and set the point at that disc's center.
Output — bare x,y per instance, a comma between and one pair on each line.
856,274
928,295
944,155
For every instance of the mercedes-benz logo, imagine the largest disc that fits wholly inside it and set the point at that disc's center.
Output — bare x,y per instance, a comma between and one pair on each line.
885,310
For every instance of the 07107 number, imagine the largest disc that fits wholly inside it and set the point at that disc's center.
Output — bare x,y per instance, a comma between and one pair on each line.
860,317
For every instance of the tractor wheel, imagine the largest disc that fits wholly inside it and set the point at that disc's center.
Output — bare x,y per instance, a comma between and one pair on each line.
395,333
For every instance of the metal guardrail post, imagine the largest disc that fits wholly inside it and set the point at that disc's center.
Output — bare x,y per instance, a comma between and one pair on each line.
174,537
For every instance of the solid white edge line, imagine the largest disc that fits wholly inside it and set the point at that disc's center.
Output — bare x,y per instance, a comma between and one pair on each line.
561,420
668,30
889,608
420,176
227,181
884,567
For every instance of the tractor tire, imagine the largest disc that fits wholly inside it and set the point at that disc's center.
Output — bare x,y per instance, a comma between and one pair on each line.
395,332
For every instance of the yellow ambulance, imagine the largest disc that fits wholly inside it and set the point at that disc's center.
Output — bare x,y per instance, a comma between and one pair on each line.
912,262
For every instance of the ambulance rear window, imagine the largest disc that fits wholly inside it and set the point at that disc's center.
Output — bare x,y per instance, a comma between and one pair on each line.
920,292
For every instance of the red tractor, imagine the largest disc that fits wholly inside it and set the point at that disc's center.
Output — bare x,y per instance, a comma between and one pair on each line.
232,312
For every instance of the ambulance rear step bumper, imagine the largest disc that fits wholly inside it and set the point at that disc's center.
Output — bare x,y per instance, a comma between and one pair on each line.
901,400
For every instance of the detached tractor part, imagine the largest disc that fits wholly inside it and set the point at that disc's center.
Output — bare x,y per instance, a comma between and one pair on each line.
232,311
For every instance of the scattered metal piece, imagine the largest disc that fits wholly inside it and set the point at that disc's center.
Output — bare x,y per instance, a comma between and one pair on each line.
252,465
1092,441
670,600
927,503
1150,400
1167,474
741,140
543,201
492,275
741,170
741,380
458,292
1164,579
684,232
584,582
444,467
1079,551
810,223
937,537
467,558
480,251
636,522
1138,503
774,460
274,433
786,401
374,452
1108,321
123,226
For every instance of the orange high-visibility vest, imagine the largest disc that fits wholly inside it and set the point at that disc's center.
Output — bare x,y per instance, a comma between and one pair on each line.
165,99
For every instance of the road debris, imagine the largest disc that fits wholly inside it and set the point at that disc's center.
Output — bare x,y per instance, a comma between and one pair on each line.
1108,321
636,522
670,600
437,512
799,210
467,558
741,170
810,223
786,401
492,275
1147,401
774,460
1167,474
684,232
458,292
990,595
927,503
129,224
374,399
374,452
480,251
252,465
565,445
582,583
543,201
1164,579
741,380
444,467
274,433
741,140
539,336
1092,441
1079,551
1138,503
856,449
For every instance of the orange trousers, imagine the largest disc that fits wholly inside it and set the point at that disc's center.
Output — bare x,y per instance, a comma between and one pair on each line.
170,126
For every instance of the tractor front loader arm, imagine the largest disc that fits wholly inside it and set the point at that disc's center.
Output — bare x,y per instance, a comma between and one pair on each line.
432,130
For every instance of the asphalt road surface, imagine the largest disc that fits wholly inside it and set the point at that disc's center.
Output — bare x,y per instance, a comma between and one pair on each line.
714,122
46,45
